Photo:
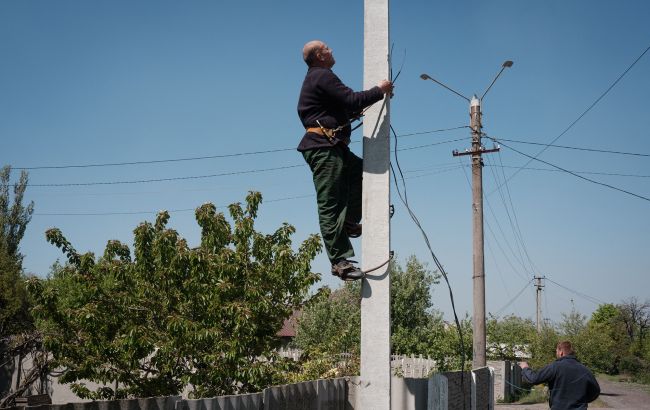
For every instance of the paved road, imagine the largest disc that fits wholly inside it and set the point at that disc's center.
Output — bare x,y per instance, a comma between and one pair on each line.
613,395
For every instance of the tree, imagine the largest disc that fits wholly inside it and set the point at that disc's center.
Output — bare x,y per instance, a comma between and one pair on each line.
412,316
543,348
171,315
14,307
509,335
636,317
328,333
332,325
572,324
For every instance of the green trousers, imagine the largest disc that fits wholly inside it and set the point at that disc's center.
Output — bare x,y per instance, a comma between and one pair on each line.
338,175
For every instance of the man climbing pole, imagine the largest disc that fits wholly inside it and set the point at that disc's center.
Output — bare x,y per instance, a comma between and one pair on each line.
327,108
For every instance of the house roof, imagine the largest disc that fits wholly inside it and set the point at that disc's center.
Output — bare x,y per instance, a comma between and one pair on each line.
289,325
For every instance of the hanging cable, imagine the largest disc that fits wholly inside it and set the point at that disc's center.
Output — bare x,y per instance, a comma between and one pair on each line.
415,220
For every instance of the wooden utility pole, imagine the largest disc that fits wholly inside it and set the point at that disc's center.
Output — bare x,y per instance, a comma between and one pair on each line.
375,243
478,277
539,302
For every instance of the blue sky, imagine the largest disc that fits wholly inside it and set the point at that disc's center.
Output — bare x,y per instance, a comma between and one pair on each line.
104,82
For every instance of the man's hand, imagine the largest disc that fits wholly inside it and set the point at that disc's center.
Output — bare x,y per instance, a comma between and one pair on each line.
523,365
386,87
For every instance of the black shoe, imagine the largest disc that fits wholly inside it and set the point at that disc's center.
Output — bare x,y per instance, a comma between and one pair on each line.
353,229
345,270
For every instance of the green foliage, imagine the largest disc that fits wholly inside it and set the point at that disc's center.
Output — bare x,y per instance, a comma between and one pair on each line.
152,322
328,333
509,335
543,348
14,217
412,317
331,325
572,324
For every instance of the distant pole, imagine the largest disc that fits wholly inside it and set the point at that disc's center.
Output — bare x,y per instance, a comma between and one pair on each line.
539,302
478,277
374,384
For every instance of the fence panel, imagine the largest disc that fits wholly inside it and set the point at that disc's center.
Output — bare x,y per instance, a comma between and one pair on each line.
331,394
252,401
299,396
482,398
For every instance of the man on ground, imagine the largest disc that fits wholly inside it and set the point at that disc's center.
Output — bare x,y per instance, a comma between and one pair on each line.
570,383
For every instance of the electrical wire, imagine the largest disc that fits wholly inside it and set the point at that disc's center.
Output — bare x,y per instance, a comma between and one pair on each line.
415,220
604,151
581,115
572,173
487,222
514,213
577,172
198,158
516,232
511,301
145,181
582,295
154,212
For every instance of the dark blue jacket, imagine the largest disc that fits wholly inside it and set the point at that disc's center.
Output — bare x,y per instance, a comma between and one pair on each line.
326,99
570,383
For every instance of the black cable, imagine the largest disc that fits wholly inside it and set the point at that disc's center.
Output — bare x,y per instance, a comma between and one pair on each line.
604,151
572,173
415,220
581,115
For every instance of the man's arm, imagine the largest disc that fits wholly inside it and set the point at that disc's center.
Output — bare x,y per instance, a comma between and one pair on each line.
354,101
593,388
543,375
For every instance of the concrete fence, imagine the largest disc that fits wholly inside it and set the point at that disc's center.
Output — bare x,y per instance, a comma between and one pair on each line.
462,390
446,390
412,366
324,394
507,380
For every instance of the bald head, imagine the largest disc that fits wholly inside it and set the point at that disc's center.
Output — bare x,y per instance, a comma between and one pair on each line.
317,54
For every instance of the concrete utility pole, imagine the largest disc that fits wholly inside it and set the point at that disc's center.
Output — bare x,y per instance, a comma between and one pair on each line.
478,278
539,302
375,245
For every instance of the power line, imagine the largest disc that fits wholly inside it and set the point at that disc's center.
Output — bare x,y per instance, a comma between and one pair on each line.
204,157
153,212
572,173
582,295
577,172
578,148
511,301
581,115
494,236
516,231
144,181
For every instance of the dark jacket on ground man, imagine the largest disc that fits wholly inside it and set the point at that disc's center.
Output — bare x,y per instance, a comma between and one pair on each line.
326,99
571,384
